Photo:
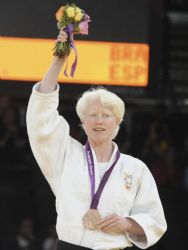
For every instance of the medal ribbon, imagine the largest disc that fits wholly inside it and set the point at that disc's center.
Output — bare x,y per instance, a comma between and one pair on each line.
91,169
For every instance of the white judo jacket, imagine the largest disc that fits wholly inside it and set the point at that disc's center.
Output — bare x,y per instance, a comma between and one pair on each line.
130,190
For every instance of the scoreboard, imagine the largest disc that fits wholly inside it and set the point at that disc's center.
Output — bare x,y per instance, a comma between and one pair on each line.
98,62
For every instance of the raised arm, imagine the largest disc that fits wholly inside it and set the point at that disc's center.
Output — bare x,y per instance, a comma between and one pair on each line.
48,131
49,81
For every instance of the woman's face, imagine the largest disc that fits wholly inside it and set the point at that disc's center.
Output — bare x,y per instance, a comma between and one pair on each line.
99,122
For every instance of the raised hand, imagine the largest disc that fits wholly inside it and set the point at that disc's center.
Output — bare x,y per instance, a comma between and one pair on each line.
62,37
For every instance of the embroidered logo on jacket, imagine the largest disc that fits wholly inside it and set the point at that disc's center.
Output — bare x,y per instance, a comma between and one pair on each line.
128,181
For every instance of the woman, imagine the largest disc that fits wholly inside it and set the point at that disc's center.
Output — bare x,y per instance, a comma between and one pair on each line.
104,199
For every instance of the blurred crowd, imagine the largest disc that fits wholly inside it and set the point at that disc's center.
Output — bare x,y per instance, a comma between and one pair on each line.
27,209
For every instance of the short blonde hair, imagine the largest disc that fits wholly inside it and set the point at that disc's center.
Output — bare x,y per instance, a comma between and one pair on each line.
107,99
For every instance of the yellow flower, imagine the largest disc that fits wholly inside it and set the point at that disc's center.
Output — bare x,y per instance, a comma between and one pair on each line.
78,16
59,13
70,11
77,9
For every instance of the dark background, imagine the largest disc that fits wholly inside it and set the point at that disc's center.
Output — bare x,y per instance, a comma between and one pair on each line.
125,21
156,121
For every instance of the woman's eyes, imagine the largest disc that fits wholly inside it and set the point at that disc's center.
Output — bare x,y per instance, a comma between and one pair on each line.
106,115
102,116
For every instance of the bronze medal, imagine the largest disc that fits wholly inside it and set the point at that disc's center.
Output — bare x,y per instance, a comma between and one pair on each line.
91,219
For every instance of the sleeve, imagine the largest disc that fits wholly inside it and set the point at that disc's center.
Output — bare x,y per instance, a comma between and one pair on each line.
48,132
148,212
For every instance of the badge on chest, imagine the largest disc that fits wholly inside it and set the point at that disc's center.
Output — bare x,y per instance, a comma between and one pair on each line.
128,181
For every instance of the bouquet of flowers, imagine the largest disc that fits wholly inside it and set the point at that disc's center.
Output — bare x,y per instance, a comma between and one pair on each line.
72,20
